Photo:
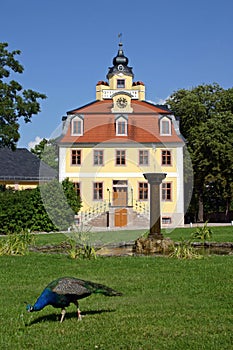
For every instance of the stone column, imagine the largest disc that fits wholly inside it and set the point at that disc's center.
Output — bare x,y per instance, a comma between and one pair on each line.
155,179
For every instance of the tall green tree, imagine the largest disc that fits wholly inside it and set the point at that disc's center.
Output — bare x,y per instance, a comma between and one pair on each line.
47,150
15,102
206,121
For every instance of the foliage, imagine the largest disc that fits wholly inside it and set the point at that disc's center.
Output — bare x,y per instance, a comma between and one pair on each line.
47,150
23,210
203,233
206,122
166,304
80,245
16,244
61,202
15,102
184,250
45,208
73,200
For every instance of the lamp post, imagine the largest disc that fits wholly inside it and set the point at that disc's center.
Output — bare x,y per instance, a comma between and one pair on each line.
155,179
108,197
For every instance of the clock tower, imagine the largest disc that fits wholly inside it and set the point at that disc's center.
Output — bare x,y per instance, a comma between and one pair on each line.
120,86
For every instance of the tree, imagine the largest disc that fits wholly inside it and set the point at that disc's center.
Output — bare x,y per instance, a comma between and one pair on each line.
206,121
15,102
47,150
60,202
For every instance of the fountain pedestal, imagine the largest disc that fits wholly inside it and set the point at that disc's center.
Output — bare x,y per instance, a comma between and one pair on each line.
155,180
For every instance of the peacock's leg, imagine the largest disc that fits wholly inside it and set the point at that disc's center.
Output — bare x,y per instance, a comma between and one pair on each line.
63,312
78,311
79,314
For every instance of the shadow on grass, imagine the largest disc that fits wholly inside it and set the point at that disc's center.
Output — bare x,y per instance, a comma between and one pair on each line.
69,315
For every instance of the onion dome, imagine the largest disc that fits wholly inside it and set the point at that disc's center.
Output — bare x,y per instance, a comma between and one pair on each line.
120,64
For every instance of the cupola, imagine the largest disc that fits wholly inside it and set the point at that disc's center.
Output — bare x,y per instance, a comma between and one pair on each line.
120,64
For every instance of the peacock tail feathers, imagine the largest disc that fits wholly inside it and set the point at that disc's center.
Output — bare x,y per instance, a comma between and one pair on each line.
79,287
102,289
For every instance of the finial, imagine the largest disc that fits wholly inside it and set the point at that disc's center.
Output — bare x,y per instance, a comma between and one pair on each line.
119,37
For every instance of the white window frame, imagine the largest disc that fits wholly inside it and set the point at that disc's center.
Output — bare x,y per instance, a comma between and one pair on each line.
162,121
74,120
119,120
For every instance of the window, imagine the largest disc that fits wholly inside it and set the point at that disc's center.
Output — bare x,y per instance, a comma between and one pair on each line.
165,126
166,220
121,126
98,190
98,157
77,126
76,157
143,191
120,83
166,158
143,157
77,188
166,191
120,157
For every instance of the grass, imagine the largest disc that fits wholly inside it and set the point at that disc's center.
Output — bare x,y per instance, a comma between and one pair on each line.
167,304
220,234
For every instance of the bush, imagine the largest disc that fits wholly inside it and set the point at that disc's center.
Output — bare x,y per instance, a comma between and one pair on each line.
16,244
45,208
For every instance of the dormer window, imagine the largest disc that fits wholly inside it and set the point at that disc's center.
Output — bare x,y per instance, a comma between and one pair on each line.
165,126
77,126
120,83
121,126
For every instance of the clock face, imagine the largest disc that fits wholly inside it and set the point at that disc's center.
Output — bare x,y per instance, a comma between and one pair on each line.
121,102
120,67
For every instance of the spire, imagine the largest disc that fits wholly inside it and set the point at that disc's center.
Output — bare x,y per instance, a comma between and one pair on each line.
120,63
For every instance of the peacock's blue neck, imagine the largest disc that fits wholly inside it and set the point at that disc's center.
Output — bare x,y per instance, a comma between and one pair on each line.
47,297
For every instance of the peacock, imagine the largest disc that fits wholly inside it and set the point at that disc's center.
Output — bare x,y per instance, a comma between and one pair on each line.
65,290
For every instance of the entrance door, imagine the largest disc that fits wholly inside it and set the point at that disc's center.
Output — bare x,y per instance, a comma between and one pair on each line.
120,193
120,217
119,196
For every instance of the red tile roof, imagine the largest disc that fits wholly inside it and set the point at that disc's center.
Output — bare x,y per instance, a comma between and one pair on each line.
99,124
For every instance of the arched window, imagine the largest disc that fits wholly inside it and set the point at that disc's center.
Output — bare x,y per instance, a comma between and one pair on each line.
121,126
165,126
77,126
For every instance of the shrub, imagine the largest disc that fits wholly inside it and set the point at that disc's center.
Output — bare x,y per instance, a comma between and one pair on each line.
16,244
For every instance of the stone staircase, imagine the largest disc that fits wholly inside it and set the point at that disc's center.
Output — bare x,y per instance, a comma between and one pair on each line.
138,220
98,216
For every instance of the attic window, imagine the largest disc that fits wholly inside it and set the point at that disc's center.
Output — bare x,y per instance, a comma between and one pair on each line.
77,126
165,126
121,126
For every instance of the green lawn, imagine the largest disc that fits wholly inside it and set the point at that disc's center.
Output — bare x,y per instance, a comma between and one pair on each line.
220,234
167,304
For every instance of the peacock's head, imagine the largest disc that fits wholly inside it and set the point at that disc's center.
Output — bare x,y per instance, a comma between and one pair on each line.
29,308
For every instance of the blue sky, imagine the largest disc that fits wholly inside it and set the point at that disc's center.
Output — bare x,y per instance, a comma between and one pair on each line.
67,47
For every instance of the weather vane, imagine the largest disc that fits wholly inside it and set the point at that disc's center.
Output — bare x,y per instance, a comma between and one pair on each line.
120,36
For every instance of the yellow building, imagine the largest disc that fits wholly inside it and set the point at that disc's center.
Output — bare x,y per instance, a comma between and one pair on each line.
107,145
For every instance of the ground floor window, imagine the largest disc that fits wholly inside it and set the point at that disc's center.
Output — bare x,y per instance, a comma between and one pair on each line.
98,191
166,191
143,191
166,220
77,188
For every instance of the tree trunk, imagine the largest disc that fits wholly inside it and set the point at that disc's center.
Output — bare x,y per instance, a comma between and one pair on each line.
227,216
200,216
